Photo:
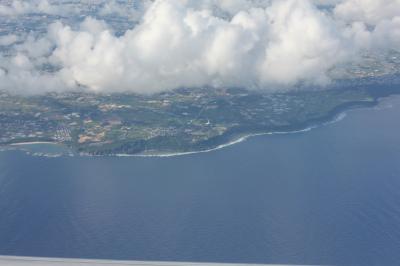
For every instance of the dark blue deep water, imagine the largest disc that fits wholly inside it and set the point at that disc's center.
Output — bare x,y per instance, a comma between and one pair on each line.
327,196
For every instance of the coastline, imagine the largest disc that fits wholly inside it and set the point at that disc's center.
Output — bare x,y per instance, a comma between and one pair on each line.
235,141
34,143
336,115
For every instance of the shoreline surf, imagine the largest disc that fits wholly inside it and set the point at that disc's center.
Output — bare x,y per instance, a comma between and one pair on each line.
337,117
35,143
243,138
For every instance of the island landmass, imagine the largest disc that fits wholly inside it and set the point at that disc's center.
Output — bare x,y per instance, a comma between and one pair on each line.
177,121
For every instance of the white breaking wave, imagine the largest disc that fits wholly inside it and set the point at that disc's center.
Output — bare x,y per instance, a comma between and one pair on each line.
337,119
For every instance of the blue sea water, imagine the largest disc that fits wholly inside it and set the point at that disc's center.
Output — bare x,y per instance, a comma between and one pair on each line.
327,196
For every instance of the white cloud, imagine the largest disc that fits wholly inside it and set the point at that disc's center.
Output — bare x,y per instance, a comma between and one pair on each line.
18,74
187,43
131,9
375,24
368,11
176,46
19,7
9,39
302,46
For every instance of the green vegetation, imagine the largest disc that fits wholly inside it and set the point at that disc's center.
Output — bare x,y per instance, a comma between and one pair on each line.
177,121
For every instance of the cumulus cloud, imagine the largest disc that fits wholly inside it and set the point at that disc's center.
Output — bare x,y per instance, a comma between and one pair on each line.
368,11
18,7
187,43
8,39
131,9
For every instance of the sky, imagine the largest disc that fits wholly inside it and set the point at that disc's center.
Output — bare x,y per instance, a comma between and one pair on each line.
167,44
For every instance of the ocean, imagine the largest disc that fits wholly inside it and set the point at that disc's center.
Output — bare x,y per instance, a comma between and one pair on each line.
330,195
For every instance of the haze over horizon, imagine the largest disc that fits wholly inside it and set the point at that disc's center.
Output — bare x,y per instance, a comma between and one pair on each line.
186,43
